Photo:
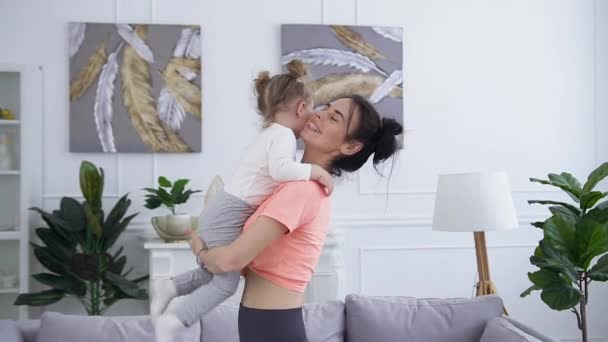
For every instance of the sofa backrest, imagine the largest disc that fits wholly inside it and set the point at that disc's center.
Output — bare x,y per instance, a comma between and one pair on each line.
359,319
403,319
54,327
323,322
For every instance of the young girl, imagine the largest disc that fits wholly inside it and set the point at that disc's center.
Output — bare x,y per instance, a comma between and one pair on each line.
285,102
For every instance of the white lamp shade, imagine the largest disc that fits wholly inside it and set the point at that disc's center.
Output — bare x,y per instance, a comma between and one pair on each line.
473,202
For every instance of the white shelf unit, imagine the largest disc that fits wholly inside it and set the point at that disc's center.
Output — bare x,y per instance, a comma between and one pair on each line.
14,247
9,235
9,122
11,290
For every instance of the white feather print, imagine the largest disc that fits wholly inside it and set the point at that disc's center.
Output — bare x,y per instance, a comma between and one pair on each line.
183,42
170,110
102,109
323,56
129,35
387,86
194,47
392,33
76,33
186,73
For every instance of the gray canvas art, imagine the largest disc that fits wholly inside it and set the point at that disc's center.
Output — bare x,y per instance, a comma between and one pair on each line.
135,88
348,60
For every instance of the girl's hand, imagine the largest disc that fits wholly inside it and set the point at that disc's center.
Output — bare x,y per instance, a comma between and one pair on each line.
196,244
323,177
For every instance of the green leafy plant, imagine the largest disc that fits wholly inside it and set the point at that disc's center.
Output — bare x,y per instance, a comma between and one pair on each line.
168,194
75,249
573,238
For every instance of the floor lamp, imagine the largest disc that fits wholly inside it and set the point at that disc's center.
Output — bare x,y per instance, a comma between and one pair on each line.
475,202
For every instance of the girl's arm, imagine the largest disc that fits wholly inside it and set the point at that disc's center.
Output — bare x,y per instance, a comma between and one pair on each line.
281,164
283,168
238,254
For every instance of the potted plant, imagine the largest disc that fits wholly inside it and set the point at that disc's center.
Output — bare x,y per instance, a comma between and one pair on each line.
169,194
572,253
75,250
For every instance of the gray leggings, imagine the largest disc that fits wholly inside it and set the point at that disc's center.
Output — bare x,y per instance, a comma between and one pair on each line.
220,223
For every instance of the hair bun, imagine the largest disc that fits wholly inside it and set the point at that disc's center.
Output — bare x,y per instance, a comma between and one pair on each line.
297,69
260,84
386,139
391,126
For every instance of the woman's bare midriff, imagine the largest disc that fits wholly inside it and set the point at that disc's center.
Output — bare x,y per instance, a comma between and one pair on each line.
261,293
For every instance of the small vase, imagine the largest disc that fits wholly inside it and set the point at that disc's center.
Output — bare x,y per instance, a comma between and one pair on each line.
174,227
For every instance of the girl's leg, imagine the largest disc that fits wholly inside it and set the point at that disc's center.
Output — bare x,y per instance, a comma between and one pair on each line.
167,328
188,282
195,305
163,290
185,311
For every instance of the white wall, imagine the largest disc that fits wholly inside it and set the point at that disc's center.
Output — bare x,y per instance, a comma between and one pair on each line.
517,85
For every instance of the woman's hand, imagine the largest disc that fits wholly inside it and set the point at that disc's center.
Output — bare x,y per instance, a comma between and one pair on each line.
211,267
239,253
196,243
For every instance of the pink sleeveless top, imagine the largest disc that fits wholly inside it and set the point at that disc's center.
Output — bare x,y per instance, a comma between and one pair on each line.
304,208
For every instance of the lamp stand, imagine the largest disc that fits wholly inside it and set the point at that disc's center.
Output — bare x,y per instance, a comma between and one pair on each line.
485,285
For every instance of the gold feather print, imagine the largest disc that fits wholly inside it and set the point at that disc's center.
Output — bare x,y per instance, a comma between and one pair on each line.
87,75
356,42
338,85
137,90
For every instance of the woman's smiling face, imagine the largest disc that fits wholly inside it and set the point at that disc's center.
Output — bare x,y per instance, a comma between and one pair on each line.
326,131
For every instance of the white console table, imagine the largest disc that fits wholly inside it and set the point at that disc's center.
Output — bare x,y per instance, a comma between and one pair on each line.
327,283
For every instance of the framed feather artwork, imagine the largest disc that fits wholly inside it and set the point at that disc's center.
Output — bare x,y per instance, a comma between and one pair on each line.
135,88
344,60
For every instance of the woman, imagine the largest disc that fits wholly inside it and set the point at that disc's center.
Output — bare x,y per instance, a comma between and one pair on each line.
282,241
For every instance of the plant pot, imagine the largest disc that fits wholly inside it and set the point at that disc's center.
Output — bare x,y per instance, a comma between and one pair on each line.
172,228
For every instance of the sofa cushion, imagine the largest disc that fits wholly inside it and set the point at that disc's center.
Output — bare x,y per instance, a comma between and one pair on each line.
529,330
499,329
404,319
56,327
9,331
221,324
323,322
29,329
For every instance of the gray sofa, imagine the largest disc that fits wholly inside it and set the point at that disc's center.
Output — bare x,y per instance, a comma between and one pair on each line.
358,319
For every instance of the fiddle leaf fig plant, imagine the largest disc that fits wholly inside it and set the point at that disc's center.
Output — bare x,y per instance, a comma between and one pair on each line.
75,246
573,251
168,194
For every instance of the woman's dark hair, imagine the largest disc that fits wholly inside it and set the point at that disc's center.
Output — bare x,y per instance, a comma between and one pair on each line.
377,135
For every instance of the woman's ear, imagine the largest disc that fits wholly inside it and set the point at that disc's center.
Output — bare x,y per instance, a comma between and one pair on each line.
351,147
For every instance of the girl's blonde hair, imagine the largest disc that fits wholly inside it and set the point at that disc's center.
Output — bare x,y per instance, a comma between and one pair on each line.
276,92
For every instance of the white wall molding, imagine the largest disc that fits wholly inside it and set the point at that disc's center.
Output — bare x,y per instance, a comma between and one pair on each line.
364,252
342,225
596,131
203,190
389,248
105,196
578,339
413,221
367,189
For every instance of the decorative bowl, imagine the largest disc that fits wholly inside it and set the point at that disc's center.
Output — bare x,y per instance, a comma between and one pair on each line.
172,228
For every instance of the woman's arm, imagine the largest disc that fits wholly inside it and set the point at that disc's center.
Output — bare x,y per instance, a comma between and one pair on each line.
239,253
